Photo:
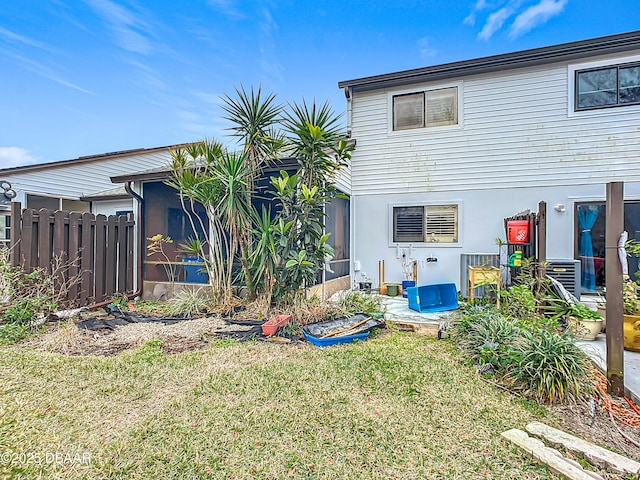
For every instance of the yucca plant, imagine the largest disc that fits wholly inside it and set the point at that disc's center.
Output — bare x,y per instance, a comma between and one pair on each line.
549,367
190,302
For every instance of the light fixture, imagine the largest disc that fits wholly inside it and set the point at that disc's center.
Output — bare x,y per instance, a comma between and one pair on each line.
559,207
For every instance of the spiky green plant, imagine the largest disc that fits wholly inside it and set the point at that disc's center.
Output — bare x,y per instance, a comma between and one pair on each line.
550,367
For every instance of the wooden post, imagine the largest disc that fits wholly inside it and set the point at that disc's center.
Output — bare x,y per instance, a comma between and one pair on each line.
613,273
15,234
541,251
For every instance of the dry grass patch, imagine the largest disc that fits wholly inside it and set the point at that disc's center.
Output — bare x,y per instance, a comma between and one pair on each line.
396,406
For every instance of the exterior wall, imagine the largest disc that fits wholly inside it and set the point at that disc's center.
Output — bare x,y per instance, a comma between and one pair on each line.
517,129
79,179
110,207
518,142
481,221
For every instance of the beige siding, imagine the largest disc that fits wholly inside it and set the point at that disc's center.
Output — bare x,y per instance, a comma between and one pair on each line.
516,130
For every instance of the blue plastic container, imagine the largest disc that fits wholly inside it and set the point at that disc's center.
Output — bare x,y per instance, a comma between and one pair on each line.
325,342
194,270
433,298
406,284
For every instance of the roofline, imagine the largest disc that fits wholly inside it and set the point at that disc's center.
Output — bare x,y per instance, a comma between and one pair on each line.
565,51
99,198
285,162
87,159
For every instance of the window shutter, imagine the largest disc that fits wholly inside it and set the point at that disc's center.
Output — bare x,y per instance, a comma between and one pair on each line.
408,111
408,224
442,107
442,223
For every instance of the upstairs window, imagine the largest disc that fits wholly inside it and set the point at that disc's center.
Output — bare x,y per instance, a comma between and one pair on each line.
608,87
431,108
425,224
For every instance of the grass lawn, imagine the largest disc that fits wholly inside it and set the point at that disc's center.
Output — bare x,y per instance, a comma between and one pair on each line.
395,406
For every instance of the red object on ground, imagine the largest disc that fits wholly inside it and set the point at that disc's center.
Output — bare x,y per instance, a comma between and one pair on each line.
270,327
518,231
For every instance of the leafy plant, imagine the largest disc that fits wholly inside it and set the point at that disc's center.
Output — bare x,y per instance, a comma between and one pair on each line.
158,244
549,367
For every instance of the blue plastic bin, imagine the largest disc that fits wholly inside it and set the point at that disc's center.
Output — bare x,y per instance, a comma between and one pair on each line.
406,284
433,298
194,270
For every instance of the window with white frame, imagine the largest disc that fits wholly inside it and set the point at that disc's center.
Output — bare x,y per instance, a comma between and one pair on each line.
5,228
608,86
425,224
429,108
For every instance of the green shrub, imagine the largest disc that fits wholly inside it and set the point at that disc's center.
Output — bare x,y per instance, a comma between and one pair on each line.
549,367
540,363
14,332
489,338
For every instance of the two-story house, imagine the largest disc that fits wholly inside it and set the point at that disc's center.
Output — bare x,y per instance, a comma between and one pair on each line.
446,152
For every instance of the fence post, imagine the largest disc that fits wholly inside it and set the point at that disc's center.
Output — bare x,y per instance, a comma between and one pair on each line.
15,233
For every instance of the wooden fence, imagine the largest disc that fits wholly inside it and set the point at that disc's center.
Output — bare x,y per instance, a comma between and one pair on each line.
92,255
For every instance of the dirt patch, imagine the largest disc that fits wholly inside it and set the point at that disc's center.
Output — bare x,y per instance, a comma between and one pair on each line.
597,427
183,336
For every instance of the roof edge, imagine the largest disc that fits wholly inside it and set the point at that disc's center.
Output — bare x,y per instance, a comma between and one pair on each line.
535,56
87,159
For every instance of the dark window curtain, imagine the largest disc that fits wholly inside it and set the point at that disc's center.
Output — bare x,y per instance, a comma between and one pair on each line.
587,216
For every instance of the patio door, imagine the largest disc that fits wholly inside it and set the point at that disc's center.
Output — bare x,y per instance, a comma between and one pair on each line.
590,221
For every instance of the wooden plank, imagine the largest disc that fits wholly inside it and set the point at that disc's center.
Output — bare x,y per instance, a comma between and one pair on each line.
552,458
99,263
26,239
86,292
44,239
59,251
122,254
594,454
75,255
110,257
16,234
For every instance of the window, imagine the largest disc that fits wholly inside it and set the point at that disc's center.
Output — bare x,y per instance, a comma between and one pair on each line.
431,108
608,87
5,228
425,224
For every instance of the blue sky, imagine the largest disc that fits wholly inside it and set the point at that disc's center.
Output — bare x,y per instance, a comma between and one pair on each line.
83,77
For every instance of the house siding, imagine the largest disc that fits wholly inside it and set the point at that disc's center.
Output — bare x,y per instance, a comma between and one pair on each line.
516,129
518,142
76,180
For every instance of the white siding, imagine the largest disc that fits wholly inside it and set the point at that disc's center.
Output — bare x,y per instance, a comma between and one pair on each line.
110,207
343,179
79,179
516,130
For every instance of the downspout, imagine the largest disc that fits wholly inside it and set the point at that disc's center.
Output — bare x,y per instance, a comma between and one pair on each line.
141,245
141,242
348,93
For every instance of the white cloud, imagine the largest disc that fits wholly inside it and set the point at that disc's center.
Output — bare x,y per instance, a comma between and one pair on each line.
44,71
15,157
535,15
130,31
470,19
227,7
495,22
426,50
